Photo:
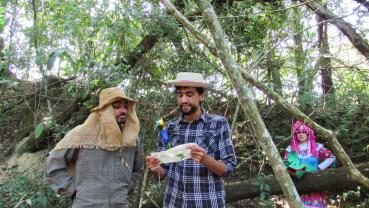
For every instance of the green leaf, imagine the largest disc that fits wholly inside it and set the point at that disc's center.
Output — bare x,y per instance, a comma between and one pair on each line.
261,187
29,202
267,188
262,195
38,60
255,183
38,130
84,92
18,204
181,156
2,204
59,53
2,22
43,202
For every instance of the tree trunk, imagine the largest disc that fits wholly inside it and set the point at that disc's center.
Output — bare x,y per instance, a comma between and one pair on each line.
304,95
274,66
326,180
38,55
356,39
324,61
276,78
273,73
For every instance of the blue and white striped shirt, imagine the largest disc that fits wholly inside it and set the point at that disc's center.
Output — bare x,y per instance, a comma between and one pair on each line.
191,184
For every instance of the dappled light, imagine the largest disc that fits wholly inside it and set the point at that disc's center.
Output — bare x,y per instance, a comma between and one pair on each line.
269,63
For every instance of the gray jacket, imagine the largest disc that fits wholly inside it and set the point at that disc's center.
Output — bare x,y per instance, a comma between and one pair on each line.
102,178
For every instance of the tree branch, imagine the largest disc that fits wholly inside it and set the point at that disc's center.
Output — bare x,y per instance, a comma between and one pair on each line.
187,24
364,3
356,39
146,44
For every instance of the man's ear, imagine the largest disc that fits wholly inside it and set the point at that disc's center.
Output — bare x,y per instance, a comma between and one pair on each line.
202,97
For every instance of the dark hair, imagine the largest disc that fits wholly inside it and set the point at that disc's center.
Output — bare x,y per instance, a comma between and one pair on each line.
199,90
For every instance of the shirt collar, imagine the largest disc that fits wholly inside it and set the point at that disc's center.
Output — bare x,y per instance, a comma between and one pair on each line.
203,117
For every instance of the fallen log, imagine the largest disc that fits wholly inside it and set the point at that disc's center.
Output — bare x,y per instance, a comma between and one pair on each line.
327,180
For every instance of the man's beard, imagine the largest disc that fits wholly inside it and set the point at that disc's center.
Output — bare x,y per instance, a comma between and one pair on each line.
192,110
121,121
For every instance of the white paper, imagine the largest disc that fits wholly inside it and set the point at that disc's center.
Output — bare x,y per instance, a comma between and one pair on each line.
175,154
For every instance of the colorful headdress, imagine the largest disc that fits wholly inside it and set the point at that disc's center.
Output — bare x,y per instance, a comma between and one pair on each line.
299,127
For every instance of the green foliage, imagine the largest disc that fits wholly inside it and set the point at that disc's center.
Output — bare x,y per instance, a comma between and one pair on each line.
29,191
2,18
349,121
38,130
264,190
59,53
95,39
353,198
248,23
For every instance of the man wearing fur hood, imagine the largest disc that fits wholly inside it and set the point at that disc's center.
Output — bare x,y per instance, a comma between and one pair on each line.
100,161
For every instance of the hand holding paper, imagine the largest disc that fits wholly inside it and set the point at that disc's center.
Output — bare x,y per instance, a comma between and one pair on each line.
153,163
198,154
175,154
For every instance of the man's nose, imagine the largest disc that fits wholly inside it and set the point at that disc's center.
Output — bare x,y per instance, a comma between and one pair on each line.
184,99
123,110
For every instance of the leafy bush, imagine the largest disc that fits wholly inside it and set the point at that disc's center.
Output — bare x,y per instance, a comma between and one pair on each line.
25,191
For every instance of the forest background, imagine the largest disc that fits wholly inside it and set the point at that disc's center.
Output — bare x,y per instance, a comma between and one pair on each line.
290,60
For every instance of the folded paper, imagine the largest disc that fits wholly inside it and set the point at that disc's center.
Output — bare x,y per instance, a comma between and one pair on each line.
175,154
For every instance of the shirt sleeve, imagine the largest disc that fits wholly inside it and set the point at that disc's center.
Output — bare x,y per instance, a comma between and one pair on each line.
327,157
56,172
138,167
227,154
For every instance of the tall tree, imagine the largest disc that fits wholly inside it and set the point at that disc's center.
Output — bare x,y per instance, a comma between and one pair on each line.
39,53
274,66
356,39
324,61
304,88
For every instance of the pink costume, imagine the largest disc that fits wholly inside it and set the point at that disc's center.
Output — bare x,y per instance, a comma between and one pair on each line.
312,153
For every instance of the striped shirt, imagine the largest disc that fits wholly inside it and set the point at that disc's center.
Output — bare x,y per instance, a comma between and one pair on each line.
191,184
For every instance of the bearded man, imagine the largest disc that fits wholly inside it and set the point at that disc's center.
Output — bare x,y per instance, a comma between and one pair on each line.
99,162
197,182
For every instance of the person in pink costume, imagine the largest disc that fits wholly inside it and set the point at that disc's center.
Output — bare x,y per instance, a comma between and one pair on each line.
304,143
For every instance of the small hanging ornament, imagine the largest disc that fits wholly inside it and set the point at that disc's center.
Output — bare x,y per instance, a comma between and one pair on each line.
160,124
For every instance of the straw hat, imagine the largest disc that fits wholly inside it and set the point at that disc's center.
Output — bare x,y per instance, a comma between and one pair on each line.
110,95
189,79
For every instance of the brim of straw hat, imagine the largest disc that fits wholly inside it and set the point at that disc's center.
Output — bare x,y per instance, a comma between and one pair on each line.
112,100
186,83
